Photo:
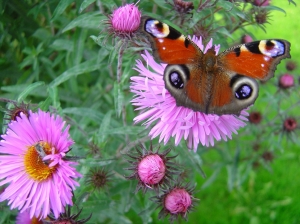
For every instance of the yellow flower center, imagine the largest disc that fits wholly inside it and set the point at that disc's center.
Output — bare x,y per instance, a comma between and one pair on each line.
35,167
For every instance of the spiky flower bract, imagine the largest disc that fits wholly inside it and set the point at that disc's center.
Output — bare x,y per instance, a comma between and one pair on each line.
124,21
33,164
151,168
176,200
67,218
159,107
98,178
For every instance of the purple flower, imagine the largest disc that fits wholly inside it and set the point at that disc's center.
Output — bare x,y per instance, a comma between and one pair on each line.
176,200
32,160
125,20
159,107
24,218
286,81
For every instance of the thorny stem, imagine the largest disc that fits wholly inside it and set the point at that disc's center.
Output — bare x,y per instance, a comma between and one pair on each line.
120,57
133,144
125,123
100,6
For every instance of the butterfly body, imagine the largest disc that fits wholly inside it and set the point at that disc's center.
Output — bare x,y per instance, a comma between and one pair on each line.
210,83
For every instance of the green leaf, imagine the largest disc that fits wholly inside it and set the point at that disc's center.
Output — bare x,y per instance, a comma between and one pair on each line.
85,4
87,66
29,89
60,8
273,7
63,44
86,112
53,94
212,178
88,20
127,130
104,126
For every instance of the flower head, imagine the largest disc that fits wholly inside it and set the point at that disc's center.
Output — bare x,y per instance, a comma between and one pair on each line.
98,178
67,218
32,160
255,117
24,218
246,39
261,2
286,81
17,110
159,107
291,65
290,124
125,20
151,168
176,200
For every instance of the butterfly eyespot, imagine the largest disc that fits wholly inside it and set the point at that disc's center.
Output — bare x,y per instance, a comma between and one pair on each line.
175,77
176,80
243,92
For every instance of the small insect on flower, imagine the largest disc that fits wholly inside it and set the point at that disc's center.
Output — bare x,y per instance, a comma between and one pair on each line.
152,169
176,201
33,163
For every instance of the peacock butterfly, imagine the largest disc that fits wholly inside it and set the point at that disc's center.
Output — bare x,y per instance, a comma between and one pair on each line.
210,83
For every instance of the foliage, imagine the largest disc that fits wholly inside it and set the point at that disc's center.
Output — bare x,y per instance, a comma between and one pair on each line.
58,56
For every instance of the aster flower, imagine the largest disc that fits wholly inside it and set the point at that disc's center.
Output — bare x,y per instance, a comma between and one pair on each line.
176,200
158,107
32,160
152,169
125,20
24,218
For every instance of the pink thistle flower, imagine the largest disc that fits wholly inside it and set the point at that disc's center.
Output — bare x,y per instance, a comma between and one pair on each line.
32,160
152,169
261,2
176,200
246,39
286,81
290,124
159,107
125,20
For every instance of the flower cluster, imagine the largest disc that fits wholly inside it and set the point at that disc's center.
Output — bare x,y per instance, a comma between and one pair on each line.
154,170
